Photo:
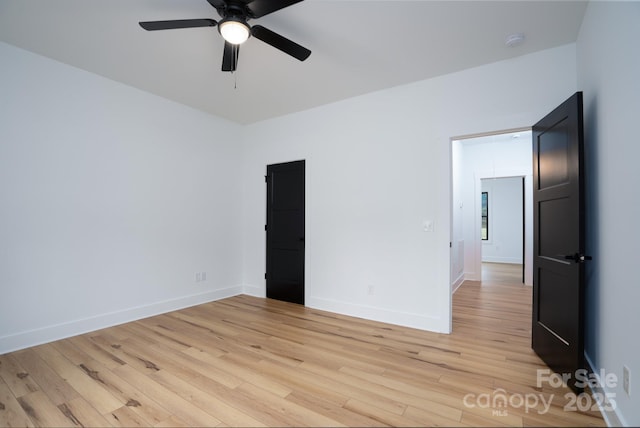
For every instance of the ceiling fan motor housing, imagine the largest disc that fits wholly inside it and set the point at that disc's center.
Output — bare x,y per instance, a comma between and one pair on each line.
235,9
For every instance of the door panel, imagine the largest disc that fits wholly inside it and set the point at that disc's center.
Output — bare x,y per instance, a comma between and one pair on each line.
553,155
285,270
285,231
558,283
554,291
555,235
287,226
287,187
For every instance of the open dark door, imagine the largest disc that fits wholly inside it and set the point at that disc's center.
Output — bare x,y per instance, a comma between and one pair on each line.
558,269
285,232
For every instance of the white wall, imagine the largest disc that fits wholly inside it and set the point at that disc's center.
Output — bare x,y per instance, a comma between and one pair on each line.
378,166
113,198
457,215
110,200
505,220
608,70
489,157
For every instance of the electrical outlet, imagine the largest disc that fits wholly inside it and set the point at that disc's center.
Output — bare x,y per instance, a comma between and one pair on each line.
198,277
371,290
626,380
203,277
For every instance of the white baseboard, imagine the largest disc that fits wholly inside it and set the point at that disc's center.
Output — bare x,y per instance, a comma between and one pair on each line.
377,314
367,312
255,291
47,334
611,418
457,283
472,276
507,260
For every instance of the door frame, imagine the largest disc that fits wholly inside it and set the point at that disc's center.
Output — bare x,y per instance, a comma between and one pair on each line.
527,267
497,173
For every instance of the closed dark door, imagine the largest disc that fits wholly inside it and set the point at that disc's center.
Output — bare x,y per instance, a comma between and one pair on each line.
558,275
285,232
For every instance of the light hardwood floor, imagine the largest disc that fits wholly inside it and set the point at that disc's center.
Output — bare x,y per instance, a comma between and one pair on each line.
246,361
501,274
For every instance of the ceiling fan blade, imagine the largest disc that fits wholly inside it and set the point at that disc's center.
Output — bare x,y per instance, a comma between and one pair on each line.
264,7
230,57
280,42
178,23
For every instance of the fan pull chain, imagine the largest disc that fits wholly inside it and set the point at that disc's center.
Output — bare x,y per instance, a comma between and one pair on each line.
235,51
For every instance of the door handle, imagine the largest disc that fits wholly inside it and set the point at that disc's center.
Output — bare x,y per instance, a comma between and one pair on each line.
578,258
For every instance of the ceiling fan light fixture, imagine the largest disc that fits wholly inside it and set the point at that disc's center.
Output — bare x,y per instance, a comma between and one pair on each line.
234,30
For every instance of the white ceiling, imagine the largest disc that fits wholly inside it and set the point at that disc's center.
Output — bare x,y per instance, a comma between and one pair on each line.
358,46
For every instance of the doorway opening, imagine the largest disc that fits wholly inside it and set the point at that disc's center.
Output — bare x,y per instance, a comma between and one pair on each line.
497,160
503,227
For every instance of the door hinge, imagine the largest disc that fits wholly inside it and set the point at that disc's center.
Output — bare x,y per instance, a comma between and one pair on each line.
265,276
265,227
266,178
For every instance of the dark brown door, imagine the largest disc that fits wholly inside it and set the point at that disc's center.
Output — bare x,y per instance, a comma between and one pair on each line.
285,232
558,263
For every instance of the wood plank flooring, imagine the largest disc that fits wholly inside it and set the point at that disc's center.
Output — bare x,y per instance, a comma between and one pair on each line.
246,361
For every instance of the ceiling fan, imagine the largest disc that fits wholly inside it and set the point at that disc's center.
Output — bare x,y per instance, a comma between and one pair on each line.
235,29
